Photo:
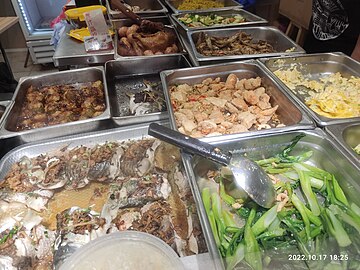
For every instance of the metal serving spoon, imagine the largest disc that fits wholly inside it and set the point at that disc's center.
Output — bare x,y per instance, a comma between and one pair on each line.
244,174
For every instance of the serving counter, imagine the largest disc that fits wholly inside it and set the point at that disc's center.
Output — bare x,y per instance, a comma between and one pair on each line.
70,52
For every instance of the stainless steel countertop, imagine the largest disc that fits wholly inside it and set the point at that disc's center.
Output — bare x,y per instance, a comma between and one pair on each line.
72,52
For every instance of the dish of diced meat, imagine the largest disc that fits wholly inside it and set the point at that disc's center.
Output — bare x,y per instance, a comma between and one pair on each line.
214,107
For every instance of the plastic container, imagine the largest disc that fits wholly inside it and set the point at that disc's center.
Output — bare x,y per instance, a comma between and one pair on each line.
76,15
124,250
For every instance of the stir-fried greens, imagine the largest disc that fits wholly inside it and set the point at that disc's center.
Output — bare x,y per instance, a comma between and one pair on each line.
313,225
196,20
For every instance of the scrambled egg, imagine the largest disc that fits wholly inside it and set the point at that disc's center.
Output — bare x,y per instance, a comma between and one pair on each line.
357,149
332,95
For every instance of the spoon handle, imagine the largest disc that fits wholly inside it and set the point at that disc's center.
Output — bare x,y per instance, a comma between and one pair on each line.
189,144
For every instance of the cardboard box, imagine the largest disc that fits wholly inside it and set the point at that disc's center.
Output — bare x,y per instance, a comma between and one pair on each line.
298,11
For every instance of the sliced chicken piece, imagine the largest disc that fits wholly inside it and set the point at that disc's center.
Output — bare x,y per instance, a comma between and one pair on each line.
179,118
184,88
206,127
264,101
226,124
188,125
188,113
219,102
247,119
270,111
207,81
238,128
200,116
240,104
240,85
231,108
217,116
225,94
250,97
221,129
264,119
181,130
252,83
196,134
216,80
217,86
238,93
255,110
202,88
179,96
194,105
231,81
259,91
264,105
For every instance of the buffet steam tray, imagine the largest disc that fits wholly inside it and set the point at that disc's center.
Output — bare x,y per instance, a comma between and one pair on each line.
288,112
150,8
136,132
4,109
128,76
250,19
84,75
326,155
228,4
127,22
348,136
314,66
281,43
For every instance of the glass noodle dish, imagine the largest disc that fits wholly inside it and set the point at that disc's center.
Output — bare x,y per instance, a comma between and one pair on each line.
313,224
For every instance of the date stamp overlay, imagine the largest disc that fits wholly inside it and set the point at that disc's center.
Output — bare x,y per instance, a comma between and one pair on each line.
318,257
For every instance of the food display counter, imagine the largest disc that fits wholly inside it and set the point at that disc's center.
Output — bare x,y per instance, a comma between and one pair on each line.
77,163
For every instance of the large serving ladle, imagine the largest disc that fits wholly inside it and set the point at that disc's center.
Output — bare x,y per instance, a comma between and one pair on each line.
243,174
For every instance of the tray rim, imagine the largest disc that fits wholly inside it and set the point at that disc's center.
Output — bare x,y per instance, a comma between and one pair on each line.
336,132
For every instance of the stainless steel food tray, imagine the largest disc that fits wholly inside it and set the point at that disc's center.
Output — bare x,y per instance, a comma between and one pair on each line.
314,66
251,19
127,22
174,4
126,76
152,8
289,113
136,132
348,136
4,109
274,36
327,155
89,139
65,77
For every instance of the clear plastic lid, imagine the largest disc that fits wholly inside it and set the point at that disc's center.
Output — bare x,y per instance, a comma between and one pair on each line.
130,250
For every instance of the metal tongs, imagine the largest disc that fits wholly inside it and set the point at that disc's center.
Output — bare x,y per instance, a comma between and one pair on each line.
145,25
